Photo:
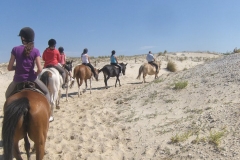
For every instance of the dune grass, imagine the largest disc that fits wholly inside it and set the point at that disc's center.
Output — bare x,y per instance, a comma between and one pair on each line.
171,66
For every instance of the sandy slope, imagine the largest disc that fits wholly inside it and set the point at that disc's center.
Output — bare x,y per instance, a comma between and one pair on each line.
152,120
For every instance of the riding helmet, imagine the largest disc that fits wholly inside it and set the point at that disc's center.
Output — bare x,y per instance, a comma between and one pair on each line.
52,42
113,51
27,33
85,50
60,49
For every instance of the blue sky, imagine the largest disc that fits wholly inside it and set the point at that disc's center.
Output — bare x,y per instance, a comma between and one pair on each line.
130,27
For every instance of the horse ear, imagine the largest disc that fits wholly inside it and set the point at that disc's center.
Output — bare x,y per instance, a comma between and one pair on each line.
126,64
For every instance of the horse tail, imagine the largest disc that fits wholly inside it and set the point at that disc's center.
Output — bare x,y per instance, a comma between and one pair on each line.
140,71
14,111
45,77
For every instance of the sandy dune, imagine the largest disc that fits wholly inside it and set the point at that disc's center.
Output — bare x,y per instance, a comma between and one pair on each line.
151,120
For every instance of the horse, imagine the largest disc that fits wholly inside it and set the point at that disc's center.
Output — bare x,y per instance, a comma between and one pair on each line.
26,115
148,69
67,66
53,80
112,71
83,73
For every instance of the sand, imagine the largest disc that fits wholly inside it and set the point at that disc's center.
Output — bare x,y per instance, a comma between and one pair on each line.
147,120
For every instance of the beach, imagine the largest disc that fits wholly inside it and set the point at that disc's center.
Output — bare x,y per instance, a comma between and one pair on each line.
148,121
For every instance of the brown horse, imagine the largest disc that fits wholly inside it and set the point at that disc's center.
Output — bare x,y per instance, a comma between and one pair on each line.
26,114
83,73
148,69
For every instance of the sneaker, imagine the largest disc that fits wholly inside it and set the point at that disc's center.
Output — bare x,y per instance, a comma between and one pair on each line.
72,79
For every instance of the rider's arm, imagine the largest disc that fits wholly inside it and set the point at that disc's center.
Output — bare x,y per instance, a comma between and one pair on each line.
88,59
11,67
116,59
39,66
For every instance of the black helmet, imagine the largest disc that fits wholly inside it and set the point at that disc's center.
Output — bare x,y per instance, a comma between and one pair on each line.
52,42
113,51
85,50
27,33
60,49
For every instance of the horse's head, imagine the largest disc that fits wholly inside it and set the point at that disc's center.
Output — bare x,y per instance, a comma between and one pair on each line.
69,64
123,67
97,72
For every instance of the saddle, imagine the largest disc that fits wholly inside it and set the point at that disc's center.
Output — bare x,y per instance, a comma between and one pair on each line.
28,85
87,66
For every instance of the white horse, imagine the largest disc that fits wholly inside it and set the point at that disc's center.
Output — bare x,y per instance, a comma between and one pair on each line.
53,80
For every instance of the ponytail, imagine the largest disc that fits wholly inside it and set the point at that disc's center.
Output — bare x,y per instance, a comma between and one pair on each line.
28,48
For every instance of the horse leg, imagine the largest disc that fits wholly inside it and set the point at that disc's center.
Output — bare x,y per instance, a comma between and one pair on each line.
79,85
144,75
27,146
105,80
90,85
67,93
85,85
16,152
40,149
58,98
119,81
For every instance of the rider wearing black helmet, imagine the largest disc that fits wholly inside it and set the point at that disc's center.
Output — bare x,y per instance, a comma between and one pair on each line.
51,56
114,61
26,56
63,62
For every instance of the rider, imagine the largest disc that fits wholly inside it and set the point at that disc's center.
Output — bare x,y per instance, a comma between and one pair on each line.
51,57
86,61
26,56
62,61
150,58
114,61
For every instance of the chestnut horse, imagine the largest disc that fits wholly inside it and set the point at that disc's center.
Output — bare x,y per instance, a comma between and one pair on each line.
149,69
83,73
26,114
112,71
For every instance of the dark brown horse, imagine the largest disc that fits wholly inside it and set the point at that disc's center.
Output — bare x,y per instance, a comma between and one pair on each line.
83,73
112,71
26,114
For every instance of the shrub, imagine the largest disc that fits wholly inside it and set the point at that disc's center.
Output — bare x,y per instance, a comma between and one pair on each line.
180,85
215,137
171,66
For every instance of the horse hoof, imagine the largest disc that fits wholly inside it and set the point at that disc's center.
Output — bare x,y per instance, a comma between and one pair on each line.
51,119
57,107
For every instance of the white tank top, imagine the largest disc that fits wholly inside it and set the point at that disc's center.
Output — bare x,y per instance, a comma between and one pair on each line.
84,58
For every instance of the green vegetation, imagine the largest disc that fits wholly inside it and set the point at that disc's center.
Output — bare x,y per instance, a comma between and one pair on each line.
215,137
180,85
180,138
